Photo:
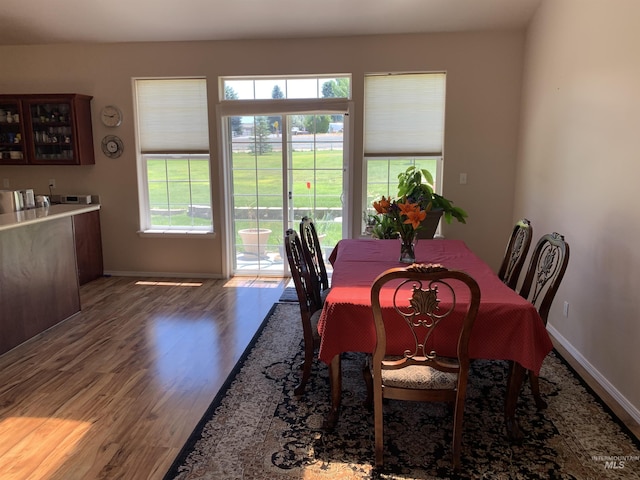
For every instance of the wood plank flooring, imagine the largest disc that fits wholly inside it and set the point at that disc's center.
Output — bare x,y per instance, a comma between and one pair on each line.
115,391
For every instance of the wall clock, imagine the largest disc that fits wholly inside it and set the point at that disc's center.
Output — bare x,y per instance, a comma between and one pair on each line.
111,116
112,146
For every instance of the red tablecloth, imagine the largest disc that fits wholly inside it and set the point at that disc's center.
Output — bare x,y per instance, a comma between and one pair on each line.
507,327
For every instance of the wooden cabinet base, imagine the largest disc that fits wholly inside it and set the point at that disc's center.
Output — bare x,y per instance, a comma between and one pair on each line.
88,246
38,279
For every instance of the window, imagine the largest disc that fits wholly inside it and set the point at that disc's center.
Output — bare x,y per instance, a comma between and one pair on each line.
286,88
403,126
173,134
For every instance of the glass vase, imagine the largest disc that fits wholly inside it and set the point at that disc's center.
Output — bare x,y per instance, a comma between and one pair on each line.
408,249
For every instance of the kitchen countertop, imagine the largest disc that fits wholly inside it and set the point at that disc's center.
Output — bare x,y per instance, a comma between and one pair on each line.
42,214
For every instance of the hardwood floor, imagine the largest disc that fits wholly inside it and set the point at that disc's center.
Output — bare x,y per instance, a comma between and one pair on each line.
115,391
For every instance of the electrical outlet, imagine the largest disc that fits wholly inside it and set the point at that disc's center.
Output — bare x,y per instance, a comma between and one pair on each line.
52,183
565,310
5,183
463,179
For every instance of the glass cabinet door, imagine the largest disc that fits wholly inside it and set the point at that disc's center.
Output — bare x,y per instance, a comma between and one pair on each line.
12,140
52,132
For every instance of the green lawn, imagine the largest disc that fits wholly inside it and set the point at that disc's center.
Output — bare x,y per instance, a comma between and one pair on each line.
321,169
181,181
257,186
316,184
382,176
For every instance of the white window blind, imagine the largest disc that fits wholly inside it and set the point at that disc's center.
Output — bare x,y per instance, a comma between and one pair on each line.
172,116
404,114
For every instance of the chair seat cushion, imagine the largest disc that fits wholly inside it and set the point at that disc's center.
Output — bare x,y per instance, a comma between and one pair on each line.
315,318
323,295
420,377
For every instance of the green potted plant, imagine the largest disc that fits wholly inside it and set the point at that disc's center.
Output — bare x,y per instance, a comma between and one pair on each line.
380,226
415,212
417,186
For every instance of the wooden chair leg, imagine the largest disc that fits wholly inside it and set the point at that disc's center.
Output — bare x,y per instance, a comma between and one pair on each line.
514,384
379,433
306,373
335,379
308,361
458,416
535,390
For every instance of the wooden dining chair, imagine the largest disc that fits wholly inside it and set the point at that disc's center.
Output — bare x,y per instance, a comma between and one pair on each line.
309,307
313,255
424,297
547,266
516,253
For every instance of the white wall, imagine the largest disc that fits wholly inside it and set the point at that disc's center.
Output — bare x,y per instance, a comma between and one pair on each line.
578,171
483,101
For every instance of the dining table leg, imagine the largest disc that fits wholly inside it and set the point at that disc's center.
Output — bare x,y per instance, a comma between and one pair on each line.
514,385
335,380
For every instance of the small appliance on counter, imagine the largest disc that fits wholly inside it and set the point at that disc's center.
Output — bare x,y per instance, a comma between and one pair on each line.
42,201
80,199
10,201
15,200
28,198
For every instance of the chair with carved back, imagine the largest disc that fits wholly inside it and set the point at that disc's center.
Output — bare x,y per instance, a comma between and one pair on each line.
421,299
516,253
547,266
309,308
313,254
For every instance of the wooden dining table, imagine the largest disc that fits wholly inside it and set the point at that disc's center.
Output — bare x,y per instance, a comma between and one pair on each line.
507,326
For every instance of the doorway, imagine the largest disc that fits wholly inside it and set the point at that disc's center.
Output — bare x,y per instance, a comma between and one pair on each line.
283,167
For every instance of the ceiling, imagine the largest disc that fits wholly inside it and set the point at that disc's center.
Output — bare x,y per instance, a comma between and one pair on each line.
33,22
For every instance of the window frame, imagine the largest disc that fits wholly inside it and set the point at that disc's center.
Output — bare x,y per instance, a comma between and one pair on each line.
147,220
396,154
146,226
282,81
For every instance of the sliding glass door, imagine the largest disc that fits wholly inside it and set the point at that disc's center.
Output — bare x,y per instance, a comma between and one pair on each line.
283,167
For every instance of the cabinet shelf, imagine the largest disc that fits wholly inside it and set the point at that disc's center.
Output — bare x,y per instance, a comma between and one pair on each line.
50,124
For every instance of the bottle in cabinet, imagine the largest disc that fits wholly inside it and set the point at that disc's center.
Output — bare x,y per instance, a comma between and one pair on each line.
11,133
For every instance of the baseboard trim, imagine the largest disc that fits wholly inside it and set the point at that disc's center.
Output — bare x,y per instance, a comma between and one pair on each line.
114,273
595,375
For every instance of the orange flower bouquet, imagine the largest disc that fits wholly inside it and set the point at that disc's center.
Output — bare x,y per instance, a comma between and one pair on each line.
400,219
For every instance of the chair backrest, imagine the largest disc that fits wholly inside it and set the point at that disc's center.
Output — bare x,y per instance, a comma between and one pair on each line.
313,253
548,263
516,253
424,297
302,277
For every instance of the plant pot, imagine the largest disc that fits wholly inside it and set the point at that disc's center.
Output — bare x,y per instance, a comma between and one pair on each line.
254,240
430,224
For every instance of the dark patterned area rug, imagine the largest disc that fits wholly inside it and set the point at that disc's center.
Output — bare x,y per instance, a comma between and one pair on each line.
289,295
260,430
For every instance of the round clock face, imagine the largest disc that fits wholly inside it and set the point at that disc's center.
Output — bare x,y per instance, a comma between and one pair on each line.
111,116
112,146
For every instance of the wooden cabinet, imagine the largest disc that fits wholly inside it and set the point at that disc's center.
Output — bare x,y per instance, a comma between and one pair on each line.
49,129
88,241
38,279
